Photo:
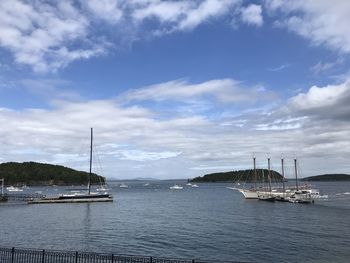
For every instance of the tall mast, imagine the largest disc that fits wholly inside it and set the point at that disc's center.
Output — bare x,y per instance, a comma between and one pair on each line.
255,177
296,173
269,174
282,163
89,183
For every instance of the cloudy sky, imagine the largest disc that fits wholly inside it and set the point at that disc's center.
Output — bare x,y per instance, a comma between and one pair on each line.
176,89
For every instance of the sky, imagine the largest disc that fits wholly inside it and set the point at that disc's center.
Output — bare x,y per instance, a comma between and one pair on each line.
176,89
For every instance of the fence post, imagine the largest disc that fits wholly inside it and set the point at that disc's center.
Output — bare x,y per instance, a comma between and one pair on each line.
76,257
112,258
192,260
43,256
150,259
12,255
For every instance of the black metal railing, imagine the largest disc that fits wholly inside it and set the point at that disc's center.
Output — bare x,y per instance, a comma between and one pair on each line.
21,255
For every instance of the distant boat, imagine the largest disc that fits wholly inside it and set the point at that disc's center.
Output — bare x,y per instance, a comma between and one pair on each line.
102,188
194,186
146,184
78,197
14,189
189,184
123,186
176,187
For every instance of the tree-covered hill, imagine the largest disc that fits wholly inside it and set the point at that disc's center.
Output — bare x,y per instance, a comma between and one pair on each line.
328,177
32,173
241,175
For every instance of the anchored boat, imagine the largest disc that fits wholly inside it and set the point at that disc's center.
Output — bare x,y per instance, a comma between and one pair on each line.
77,197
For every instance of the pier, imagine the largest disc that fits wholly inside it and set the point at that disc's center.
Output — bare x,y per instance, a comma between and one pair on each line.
20,197
20,255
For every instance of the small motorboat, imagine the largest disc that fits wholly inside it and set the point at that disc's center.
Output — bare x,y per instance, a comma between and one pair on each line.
14,189
102,189
123,186
176,187
194,186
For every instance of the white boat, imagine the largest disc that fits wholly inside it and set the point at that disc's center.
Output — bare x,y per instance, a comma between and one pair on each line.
14,189
194,186
266,195
189,184
102,188
77,197
123,186
249,193
176,187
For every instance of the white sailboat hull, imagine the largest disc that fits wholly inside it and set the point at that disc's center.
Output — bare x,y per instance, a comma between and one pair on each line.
249,194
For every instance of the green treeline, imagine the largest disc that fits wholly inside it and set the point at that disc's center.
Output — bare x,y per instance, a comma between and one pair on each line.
32,173
328,177
239,176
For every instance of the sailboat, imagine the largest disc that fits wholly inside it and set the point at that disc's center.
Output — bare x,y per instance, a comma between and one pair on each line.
284,195
303,196
250,193
267,195
78,197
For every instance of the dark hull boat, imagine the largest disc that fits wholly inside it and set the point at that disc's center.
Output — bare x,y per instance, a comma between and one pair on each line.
267,198
76,198
88,197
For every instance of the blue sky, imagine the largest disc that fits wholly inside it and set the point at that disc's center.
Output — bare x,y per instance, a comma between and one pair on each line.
176,89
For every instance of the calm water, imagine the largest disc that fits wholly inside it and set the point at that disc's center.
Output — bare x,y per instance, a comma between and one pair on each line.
209,222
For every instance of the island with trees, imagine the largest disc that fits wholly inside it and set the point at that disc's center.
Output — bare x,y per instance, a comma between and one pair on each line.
33,173
239,176
328,177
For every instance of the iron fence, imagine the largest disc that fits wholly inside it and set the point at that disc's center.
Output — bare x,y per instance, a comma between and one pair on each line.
21,255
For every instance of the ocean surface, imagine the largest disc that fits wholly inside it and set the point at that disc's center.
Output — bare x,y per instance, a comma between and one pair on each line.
208,222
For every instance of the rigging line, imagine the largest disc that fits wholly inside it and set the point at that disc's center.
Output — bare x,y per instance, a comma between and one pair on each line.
99,165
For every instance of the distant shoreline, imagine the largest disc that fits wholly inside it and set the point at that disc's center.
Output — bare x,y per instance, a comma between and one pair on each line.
247,176
328,178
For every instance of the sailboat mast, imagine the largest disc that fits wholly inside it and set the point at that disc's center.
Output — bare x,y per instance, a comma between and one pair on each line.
282,163
89,183
296,173
269,174
255,177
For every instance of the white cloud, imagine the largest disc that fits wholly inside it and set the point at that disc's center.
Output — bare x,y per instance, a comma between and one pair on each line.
332,100
206,10
222,90
138,155
168,11
252,15
322,67
323,22
279,68
50,89
314,125
107,10
48,35
41,35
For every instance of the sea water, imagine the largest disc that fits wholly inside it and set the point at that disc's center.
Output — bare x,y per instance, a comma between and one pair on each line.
209,222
